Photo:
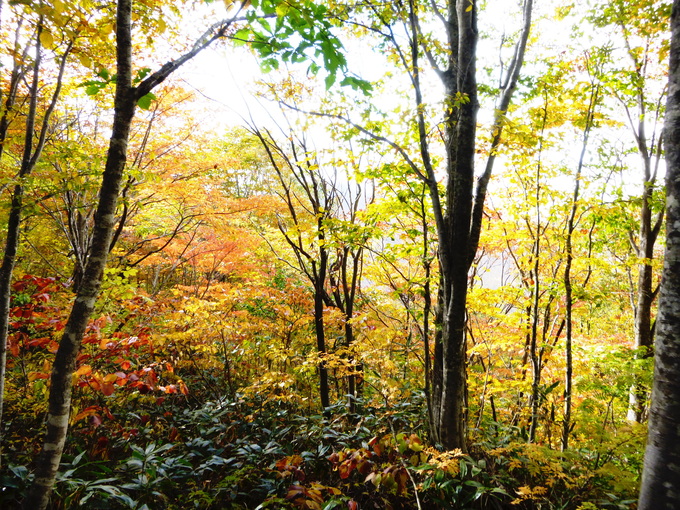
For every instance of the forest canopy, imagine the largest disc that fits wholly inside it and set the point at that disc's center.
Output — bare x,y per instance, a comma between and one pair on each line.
312,255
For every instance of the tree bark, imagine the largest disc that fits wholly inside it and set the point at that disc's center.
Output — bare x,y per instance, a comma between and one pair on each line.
319,329
568,284
661,474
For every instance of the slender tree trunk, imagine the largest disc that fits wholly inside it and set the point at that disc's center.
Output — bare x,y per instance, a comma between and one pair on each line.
661,474
319,329
645,298
14,219
34,142
437,368
571,225
534,352
427,308
59,404
534,356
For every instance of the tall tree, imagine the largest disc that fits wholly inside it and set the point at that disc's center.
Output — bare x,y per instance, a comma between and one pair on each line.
307,193
458,216
639,25
661,474
63,368
35,136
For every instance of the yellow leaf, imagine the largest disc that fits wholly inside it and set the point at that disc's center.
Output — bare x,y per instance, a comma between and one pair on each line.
524,491
85,61
282,10
46,39
111,378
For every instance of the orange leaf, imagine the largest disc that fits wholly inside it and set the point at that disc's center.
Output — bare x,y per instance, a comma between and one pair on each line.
39,342
88,411
183,388
84,370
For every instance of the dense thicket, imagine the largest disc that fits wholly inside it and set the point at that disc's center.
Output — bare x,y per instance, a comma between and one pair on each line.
317,310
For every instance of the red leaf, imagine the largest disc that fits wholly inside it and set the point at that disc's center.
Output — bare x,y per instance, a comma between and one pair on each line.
107,389
345,469
39,342
90,339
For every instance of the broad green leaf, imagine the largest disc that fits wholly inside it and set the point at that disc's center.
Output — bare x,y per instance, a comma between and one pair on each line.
144,102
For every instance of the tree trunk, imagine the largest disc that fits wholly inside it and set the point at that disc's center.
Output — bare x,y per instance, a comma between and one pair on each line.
32,150
59,404
320,331
637,404
459,223
569,300
661,474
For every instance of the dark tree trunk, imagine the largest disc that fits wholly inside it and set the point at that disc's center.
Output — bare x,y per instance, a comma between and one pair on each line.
459,222
661,474
568,287
324,393
644,334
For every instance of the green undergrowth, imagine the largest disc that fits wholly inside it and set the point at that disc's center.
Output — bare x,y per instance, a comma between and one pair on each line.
249,455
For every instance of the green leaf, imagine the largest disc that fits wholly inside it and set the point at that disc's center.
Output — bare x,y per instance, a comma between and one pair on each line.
144,102
241,36
141,74
93,88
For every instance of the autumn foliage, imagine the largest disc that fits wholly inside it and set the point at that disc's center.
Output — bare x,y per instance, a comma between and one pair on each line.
257,272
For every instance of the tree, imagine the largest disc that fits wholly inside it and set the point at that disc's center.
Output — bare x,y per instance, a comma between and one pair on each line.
327,239
35,136
458,209
660,487
127,97
639,24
